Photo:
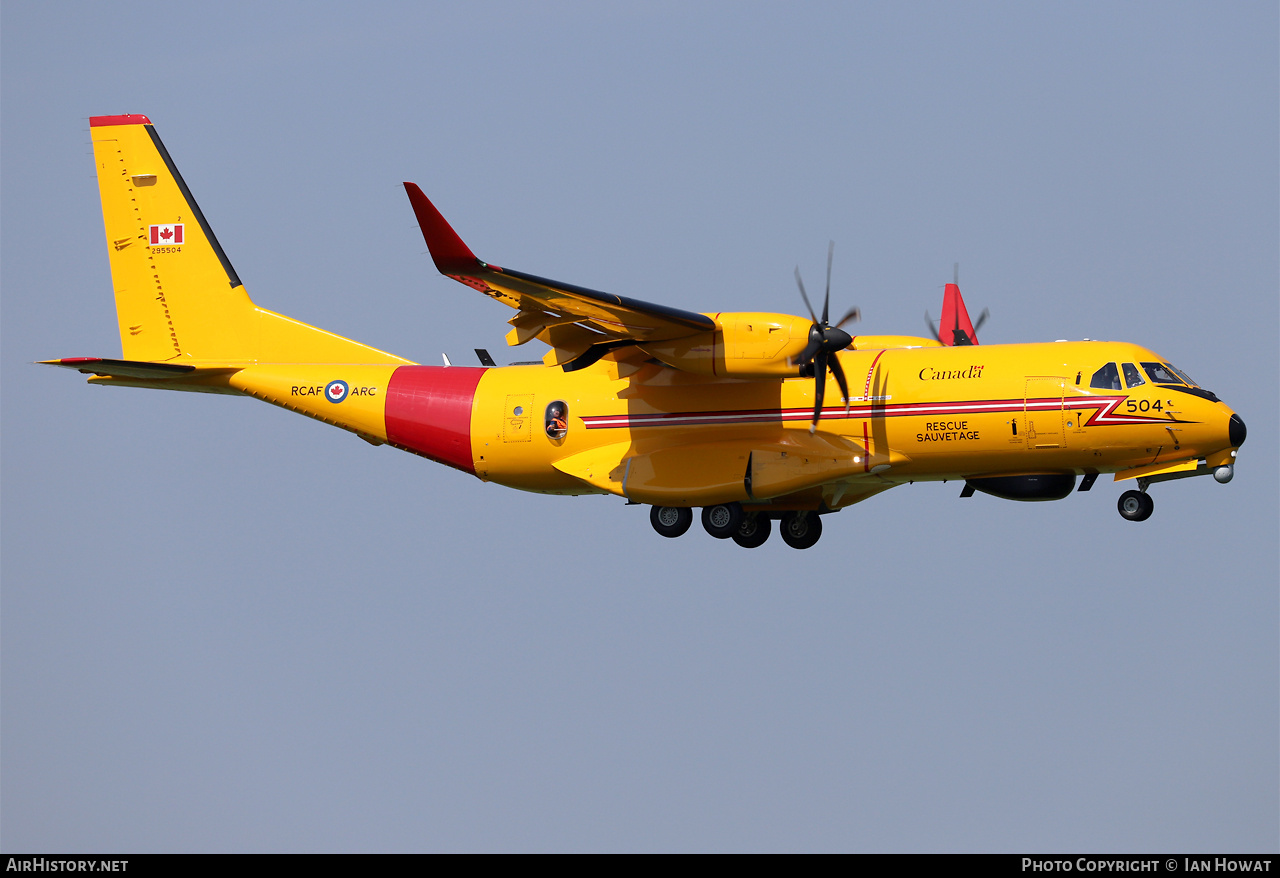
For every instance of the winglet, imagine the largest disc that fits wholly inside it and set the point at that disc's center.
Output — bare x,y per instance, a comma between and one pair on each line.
449,253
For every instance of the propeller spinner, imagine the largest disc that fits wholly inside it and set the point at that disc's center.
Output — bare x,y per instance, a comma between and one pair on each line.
818,356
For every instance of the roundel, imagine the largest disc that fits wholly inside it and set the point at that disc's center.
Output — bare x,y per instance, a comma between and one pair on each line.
336,391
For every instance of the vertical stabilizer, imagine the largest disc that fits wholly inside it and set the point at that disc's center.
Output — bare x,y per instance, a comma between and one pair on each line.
955,327
177,295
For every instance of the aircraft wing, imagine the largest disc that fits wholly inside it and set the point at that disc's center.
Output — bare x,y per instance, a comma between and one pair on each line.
581,324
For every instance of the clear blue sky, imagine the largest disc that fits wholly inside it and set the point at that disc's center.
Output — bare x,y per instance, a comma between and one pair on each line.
225,627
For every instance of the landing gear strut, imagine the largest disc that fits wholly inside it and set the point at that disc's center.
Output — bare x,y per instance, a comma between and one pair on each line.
1136,505
671,521
800,530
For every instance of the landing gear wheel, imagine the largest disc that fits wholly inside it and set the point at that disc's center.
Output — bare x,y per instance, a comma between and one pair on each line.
722,521
1136,506
753,531
800,530
671,521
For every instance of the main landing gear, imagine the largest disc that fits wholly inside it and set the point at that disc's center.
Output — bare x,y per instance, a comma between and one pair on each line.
1136,505
671,521
800,529
753,531
722,521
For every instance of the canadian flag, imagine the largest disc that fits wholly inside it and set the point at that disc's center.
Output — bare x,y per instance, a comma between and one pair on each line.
170,234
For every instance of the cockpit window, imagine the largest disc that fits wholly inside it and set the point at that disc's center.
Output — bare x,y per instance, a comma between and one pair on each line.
1106,378
1160,373
1132,376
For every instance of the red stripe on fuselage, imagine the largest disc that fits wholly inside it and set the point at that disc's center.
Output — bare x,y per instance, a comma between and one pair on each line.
429,412
1101,410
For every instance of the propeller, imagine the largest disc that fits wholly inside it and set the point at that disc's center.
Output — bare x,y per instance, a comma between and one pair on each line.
819,355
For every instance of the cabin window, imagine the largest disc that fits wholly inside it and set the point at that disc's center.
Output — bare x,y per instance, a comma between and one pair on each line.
557,419
1106,378
1132,376
1160,373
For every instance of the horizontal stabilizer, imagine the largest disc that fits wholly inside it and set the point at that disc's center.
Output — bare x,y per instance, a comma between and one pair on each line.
137,368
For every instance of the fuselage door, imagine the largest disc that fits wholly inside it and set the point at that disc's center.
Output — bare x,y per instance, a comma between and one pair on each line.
1042,412
518,418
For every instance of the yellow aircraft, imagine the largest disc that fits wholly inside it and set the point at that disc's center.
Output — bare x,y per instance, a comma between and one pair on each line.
730,412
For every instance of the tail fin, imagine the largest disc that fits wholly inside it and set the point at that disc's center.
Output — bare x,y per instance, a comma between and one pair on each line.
177,295
955,327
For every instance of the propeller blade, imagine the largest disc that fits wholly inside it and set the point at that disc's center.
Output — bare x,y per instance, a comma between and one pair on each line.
805,295
838,371
826,301
932,328
982,318
819,388
853,316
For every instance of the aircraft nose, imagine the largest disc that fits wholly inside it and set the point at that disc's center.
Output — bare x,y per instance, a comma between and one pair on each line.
1236,431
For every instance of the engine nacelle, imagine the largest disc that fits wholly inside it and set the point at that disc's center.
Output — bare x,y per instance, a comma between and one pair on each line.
744,345
757,345
1050,486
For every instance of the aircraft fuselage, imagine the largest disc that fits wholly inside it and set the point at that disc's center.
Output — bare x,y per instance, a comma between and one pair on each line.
927,413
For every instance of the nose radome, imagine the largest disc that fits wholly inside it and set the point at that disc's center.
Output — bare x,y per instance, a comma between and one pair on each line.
1236,431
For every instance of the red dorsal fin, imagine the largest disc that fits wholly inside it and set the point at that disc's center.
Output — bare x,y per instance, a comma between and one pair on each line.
955,327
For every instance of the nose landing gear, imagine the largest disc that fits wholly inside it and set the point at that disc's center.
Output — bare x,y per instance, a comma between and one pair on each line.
1136,505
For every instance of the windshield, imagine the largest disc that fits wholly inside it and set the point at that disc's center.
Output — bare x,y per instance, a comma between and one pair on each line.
1160,373
1183,375
1131,375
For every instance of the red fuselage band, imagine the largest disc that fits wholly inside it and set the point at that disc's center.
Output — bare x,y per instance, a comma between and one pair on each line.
429,412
